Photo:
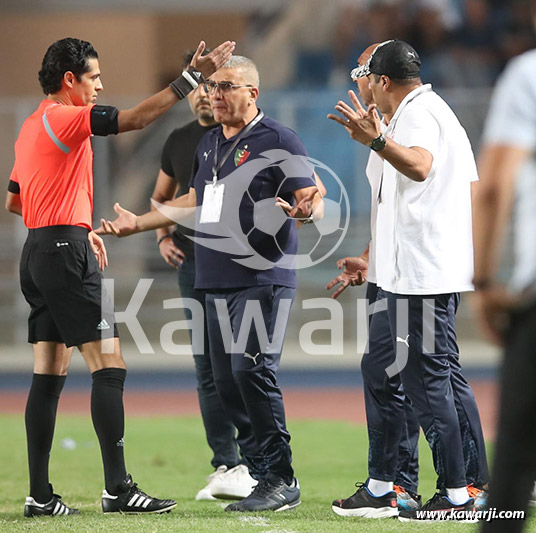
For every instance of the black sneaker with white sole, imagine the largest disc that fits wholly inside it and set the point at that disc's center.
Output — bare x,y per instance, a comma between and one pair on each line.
271,494
440,508
363,503
55,507
131,500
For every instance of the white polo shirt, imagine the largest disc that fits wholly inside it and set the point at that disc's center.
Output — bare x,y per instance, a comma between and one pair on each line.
374,173
511,121
424,241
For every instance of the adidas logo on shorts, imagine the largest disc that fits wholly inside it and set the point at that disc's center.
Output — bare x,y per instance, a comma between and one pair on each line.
103,324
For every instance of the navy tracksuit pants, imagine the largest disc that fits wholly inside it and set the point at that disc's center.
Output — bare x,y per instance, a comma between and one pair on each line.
245,376
424,369
390,418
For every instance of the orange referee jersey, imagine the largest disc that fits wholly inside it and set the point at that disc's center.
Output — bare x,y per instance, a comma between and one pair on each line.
54,166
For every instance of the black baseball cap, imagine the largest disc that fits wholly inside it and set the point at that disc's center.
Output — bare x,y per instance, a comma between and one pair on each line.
396,59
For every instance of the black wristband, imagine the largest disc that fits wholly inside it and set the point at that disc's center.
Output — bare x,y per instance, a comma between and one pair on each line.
163,238
187,82
13,187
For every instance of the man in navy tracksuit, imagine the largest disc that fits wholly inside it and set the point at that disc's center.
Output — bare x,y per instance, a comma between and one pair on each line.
247,271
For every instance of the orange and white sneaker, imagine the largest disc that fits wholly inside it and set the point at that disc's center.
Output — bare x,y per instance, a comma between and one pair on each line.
479,495
407,500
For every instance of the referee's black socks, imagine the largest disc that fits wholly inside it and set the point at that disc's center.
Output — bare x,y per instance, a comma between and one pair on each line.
40,418
109,421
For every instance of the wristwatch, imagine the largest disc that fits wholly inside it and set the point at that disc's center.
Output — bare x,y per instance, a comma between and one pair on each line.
378,143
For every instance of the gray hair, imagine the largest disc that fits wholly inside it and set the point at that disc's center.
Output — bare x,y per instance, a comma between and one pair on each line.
249,69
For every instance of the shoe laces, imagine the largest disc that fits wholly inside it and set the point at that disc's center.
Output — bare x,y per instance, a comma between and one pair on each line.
237,471
434,498
135,490
360,485
402,491
473,491
222,469
265,487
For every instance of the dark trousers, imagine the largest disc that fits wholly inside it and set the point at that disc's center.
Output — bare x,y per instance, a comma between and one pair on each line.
220,430
246,378
431,377
474,446
514,466
391,422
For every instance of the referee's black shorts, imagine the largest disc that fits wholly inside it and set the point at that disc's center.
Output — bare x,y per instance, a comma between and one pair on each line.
61,280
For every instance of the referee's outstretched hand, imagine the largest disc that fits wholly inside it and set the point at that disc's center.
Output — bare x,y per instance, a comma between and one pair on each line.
125,224
210,63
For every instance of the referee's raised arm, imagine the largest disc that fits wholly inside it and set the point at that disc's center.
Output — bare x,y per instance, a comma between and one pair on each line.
201,67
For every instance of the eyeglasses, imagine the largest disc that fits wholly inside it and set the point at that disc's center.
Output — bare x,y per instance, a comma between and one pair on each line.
224,86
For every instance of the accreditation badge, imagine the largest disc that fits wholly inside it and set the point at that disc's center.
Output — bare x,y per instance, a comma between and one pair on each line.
212,203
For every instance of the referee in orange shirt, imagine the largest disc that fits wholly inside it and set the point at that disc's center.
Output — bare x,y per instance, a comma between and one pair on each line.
51,187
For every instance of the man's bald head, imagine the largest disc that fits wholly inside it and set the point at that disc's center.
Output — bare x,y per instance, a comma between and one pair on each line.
364,57
362,83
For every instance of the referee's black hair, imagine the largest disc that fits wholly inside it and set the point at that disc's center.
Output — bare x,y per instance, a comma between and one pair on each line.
65,55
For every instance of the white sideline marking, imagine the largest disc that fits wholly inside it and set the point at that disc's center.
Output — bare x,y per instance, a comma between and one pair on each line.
255,520
280,531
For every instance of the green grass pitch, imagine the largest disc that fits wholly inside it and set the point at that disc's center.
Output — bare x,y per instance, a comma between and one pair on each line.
168,457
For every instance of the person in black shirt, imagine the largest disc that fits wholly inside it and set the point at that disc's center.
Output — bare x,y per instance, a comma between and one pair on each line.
230,478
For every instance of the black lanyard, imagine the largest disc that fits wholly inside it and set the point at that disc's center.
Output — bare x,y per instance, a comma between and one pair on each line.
216,167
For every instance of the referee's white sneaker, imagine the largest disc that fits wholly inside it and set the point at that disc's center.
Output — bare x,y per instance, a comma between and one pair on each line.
234,484
131,500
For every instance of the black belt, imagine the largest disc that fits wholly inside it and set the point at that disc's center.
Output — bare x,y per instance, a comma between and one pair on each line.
58,232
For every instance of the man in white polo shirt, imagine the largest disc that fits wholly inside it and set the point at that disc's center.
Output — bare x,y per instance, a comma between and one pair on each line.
508,170
423,259
356,271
